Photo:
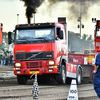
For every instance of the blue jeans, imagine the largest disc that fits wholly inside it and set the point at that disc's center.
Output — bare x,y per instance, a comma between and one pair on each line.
2,62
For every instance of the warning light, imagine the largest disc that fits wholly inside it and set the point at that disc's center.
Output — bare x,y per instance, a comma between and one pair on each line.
93,20
1,26
98,23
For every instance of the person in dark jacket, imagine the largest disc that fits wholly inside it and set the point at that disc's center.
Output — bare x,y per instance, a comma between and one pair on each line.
11,59
3,59
97,75
7,59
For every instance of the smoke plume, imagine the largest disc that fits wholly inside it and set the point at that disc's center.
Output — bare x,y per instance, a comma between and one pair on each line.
31,7
74,7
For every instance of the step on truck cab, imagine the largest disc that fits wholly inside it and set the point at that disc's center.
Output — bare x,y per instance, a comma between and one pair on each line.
41,48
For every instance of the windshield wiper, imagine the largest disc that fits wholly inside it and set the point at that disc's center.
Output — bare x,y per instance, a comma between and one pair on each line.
42,38
26,40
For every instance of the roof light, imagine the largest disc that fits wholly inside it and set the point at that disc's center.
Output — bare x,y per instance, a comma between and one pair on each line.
50,24
17,25
33,24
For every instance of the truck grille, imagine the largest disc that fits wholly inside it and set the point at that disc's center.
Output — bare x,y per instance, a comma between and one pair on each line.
33,64
33,56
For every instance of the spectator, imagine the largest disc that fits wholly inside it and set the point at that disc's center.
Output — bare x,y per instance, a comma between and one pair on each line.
7,59
0,58
97,75
3,59
11,59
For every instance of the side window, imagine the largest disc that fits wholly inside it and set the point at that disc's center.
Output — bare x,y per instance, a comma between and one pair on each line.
60,33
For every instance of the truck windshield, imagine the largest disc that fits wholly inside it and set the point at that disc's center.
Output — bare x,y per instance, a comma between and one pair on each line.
98,32
34,36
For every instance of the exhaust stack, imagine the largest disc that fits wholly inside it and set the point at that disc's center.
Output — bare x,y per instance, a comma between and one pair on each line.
63,20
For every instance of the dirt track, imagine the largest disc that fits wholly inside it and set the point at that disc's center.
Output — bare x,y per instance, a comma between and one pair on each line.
11,90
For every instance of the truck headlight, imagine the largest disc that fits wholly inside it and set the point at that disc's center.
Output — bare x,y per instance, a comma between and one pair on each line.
17,64
51,62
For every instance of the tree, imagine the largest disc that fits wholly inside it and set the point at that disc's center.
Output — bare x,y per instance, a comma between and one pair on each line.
84,36
75,43
89,38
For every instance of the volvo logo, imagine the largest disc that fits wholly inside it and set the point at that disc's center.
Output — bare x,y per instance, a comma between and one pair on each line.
34,55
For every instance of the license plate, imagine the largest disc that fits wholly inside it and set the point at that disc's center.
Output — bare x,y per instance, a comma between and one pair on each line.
33,72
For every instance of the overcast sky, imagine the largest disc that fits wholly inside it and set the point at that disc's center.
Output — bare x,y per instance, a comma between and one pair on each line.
10,8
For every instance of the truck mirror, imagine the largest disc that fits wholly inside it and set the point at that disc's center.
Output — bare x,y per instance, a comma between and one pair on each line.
61,34
9,38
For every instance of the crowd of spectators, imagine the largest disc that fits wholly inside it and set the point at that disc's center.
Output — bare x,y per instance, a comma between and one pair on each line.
7,59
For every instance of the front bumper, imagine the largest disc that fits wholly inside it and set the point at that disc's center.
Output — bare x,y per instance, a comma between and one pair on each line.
39,71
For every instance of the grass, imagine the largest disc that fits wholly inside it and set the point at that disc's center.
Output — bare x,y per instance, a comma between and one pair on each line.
6,76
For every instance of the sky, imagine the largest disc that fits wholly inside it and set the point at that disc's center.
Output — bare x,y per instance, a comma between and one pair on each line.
10,8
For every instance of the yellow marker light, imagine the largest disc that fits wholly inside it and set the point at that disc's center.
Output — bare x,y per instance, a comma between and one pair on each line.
51,62
33,24
17,64
17,25
38,24
28,24
50,24
55,66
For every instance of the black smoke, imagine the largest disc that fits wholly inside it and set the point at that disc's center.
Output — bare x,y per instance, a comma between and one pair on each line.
31,7
73,7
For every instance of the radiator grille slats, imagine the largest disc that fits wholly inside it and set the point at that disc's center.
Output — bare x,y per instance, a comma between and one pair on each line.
33,64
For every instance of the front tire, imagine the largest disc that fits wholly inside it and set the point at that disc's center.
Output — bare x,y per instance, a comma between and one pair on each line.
61,78
79,76
21,79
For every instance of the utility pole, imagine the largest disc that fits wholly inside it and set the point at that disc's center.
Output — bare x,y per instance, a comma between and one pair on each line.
34,14
80,25
34,17
80,16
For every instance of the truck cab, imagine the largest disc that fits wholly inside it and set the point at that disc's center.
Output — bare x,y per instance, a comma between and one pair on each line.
97,36
40,48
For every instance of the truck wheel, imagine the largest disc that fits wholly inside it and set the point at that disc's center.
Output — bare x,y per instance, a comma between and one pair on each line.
21,79
79,76
61,78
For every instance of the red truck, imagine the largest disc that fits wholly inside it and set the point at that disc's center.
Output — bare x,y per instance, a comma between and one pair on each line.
1,29
97,35
43,48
